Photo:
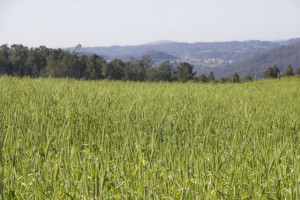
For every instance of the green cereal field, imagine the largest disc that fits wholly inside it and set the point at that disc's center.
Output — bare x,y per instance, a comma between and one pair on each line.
68,139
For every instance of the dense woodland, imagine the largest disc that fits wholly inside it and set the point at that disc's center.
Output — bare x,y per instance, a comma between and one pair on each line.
21,61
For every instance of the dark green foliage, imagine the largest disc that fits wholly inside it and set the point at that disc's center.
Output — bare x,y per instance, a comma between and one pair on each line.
203,78
184,72
137,70
4,60
288,71
272,72
33,61
235,78
268,73
17,59
224,80
71,66
297,72
276,71
161,73
54,65
141,68
115,70
152,75
94,66
130,74
164,71
211,77
248,78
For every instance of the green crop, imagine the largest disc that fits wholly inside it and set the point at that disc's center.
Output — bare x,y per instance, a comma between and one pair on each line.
68,139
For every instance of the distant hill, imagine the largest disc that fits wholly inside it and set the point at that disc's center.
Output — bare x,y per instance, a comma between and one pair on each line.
257,64
159,42
199,54
223,58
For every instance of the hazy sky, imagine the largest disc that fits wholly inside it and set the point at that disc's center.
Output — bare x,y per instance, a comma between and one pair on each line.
66,23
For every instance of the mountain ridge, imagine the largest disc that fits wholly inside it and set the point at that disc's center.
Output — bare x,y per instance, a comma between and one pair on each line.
222,58
226,51
256,65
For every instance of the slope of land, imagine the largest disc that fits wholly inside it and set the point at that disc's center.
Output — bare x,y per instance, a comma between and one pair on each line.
257,64
223,58
201,53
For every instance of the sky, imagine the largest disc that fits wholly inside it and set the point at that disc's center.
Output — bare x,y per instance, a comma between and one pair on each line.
66,23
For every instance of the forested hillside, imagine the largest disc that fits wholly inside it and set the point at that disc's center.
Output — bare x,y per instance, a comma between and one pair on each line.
256,65
208,54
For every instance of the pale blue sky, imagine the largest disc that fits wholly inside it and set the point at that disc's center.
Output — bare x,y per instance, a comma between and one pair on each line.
65,23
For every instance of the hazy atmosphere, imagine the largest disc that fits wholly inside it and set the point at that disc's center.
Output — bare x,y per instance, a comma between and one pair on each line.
161,99
65,23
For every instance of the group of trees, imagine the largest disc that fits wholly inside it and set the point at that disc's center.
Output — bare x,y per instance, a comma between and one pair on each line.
274,72
21,61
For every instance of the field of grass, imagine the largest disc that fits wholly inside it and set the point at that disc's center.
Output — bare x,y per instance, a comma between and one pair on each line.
67,139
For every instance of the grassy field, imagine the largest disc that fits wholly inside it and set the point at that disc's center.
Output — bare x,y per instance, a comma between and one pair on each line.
67,139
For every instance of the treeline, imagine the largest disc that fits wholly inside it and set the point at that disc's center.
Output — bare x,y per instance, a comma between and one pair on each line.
21,61
274,72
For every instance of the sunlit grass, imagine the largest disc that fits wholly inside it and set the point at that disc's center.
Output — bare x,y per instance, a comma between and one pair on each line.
67,139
